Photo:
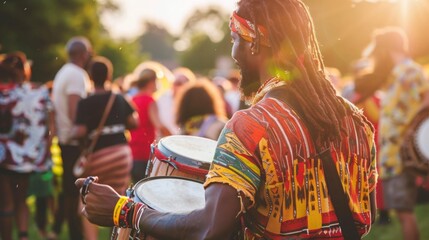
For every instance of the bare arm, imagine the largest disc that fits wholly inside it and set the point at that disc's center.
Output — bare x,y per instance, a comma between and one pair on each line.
425,98
73,100
78,131
154,118
373,206
217,220
51,127
132,121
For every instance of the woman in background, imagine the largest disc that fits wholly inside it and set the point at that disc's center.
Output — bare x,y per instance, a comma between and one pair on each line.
201,110
111,158
149,122
26,115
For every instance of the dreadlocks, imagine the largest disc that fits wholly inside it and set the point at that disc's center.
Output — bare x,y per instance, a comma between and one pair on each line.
291,31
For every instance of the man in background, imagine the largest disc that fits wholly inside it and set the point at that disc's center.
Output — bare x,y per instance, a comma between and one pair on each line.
71,83
405,89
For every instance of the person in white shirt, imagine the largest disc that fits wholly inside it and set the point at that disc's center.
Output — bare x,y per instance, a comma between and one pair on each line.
71,83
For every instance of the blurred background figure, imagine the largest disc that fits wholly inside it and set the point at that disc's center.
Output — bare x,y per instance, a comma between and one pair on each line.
129,85
112,159
224,86
166,101
201,110
233,95
41,186
149,123
406,91
71,84
118,85
334,75
25,137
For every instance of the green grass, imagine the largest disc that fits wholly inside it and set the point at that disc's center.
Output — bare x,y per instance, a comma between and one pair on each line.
391,231
104,233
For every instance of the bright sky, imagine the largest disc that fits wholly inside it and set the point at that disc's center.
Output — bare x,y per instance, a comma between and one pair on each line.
128,21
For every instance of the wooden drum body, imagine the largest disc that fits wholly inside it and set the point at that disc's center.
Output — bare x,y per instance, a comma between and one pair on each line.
181,156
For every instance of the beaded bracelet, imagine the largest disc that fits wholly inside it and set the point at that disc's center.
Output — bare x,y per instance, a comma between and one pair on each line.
117,210
127,209
138,213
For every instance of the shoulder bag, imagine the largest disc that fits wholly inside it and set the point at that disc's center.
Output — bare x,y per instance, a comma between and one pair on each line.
79,166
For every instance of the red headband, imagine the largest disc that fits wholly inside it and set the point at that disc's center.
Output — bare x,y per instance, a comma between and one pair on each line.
246,29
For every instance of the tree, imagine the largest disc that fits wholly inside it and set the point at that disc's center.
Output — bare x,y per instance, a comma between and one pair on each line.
123,55
206,44
157,43
41,29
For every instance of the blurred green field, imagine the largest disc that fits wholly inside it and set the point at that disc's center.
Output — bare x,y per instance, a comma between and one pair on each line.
392,231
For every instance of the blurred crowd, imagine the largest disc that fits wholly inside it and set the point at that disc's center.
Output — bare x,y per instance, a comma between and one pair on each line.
47,126
58,119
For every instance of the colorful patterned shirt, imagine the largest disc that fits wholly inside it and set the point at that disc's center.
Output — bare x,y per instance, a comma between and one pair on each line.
401,102
24,135
267,155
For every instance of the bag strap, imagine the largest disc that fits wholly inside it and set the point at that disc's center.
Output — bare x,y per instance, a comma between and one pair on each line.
102,122
338,197
336,192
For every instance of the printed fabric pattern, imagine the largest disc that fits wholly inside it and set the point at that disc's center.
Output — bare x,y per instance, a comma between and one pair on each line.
267,155
400,104
24,135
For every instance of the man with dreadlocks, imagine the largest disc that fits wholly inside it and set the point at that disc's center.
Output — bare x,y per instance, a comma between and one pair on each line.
266,178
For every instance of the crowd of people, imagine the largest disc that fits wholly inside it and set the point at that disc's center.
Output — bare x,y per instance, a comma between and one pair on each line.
71,108
269,177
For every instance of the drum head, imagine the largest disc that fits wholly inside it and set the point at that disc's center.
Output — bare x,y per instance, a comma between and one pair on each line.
422,139
191,150
170,194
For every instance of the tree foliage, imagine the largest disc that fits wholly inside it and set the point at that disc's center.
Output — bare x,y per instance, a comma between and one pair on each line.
343,28
203,49
41,29
124,55
157,43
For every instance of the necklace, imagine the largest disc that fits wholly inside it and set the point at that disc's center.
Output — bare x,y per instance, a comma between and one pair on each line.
266,87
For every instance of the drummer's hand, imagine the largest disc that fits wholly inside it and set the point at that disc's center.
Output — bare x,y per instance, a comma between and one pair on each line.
100,202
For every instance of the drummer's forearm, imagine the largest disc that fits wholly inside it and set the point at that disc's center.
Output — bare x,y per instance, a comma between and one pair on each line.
174,226
216,220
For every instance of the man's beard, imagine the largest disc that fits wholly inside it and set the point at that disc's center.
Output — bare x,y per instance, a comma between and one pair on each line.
249,84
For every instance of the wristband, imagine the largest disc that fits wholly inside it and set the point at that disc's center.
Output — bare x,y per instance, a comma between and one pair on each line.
138,213
118,208
127,209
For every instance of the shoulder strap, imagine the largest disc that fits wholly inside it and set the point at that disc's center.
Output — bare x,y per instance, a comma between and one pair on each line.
102,122
336,192
338,197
